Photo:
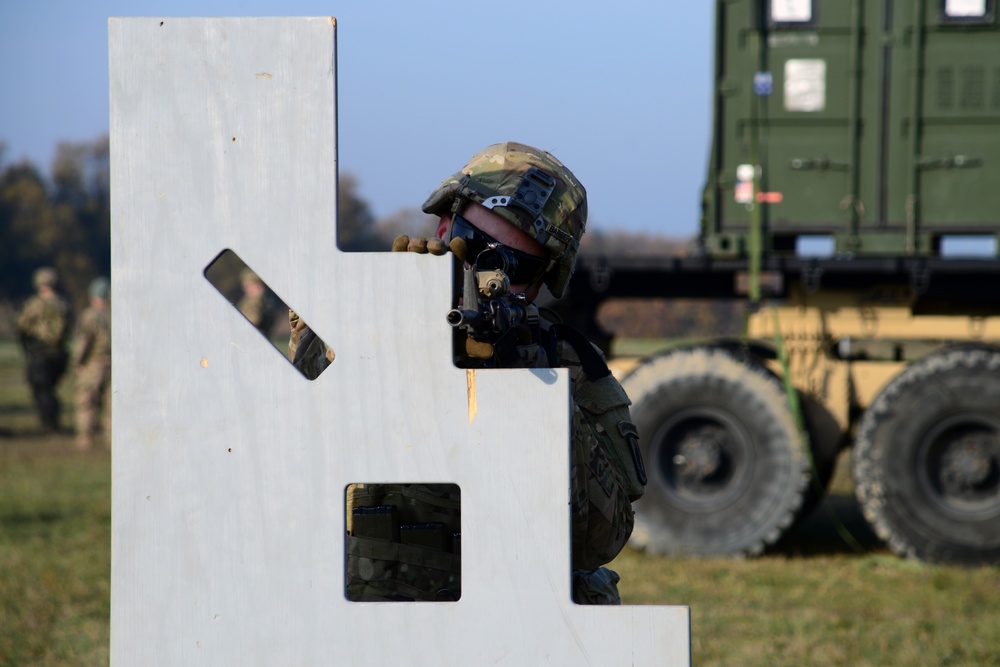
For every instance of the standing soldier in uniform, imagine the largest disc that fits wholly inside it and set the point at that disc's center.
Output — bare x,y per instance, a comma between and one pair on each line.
526,203
92,361
42,327
254,303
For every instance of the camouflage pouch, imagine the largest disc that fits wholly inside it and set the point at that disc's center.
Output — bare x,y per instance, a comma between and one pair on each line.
382,570
403,542
416,503
605,407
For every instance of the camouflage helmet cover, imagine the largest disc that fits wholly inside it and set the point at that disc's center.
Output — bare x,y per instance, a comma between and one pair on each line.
497,176
100,287
45,276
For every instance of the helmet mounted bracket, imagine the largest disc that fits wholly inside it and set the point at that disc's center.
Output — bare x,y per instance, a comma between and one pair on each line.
530,197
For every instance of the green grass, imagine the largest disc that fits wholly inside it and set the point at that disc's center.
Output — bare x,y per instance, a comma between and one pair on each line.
55,555
55,535
837,609
820,599
812,600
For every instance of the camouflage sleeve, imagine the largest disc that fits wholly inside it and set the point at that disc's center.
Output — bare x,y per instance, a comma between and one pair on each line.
44,320
606,467
259,311
83,339
252,308
29,314
601,510
296,325
306,351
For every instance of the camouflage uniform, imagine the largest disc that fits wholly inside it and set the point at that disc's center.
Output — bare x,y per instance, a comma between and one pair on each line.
314,356
603,477
256,307
42,326
533,191
604,481
91,358
403,542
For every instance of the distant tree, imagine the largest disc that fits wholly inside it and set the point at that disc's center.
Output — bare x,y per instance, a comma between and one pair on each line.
659,318
358,230
671,318
81,196
623,242
62,222
408,221
26,236
355,221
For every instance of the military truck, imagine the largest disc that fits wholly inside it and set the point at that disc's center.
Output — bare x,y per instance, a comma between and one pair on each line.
853,203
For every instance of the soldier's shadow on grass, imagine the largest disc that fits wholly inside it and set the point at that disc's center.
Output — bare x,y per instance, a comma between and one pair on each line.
836,526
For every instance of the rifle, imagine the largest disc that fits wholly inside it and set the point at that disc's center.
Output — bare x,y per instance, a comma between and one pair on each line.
495,321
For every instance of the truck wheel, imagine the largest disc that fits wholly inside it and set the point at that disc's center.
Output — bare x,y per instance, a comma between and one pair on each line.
927,459
723,456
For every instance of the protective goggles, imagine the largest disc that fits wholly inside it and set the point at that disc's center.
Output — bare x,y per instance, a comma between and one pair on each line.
520,267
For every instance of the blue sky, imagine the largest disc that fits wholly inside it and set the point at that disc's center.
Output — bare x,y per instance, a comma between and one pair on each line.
619,91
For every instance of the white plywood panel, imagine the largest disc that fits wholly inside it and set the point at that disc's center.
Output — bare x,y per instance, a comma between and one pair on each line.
230,467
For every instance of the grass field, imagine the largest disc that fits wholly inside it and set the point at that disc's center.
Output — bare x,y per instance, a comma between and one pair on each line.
55,536
812,600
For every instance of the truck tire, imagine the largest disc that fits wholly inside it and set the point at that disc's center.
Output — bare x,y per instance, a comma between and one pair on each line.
926,460
722,452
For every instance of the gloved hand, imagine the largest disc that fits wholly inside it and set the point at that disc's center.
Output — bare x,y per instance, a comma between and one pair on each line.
419,245
423,246
474,349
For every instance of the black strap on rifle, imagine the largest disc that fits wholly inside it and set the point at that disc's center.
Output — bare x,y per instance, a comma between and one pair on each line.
590,359
505,349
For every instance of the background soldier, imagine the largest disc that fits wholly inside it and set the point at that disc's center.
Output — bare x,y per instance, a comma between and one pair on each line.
525,201
92,361
42,327
254,304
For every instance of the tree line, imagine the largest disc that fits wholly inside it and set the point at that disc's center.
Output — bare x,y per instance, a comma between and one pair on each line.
63,219
60,219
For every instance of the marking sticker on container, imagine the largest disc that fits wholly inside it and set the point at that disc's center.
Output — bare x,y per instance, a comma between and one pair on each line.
743,192
763,83
791,11
805,84
953,8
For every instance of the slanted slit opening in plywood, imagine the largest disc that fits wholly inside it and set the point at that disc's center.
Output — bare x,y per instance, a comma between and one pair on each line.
269,314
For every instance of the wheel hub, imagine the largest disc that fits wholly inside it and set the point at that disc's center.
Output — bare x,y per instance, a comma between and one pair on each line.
967,463
704,458
699,454
961,466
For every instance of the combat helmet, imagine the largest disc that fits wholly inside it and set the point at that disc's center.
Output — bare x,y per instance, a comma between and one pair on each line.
100,287
529,188
46,276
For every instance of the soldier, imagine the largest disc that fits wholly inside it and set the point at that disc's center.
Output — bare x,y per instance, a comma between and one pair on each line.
254,303
486,205
92,360
42,327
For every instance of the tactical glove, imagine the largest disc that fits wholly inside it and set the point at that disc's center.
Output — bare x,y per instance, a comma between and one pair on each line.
433,246
419,245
